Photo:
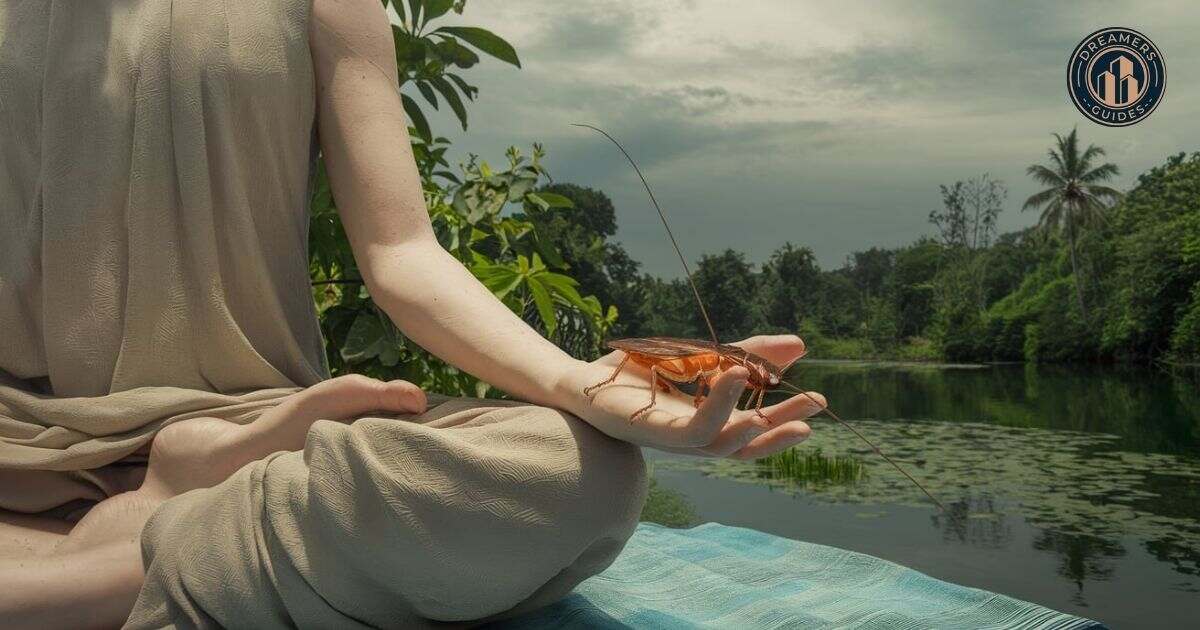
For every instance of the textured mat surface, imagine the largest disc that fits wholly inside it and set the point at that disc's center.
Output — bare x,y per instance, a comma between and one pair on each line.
730,577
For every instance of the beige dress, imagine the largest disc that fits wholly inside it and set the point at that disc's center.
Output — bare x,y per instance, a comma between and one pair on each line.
156,158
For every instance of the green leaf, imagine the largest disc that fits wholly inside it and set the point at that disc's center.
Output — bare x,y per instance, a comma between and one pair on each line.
521,186
564,286
435,9
427,92
555,200
499,279
366,339
544,304
470,91
549,252
536,199
416,117
414,7
454,53
448,176
486,41
452,99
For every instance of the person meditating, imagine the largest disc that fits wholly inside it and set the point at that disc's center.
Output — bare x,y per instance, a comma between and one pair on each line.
172,449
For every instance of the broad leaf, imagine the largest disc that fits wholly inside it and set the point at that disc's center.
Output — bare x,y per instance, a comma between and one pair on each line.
486,41
427,92
544,304
452,99
416,117
436,9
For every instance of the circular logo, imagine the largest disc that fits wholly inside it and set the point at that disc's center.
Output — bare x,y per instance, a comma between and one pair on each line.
1116,76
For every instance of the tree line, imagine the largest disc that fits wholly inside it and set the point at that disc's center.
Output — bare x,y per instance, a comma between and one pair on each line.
1103,276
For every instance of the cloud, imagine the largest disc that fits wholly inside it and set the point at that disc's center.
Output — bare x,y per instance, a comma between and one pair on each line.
823,124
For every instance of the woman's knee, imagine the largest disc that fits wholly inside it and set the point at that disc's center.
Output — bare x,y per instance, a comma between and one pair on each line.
592,514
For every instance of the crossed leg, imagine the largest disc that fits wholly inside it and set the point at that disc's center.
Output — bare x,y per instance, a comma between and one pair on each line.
59,575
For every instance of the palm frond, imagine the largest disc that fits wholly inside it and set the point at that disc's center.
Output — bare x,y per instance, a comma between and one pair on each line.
1089,154
1105,171
1069,148
1058,162
1045,175
1052,215
1040,199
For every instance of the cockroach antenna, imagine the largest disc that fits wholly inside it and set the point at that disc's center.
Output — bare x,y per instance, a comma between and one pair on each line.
713,331
661,215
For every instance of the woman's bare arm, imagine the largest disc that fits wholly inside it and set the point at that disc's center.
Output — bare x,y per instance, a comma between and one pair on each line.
432,298
438,303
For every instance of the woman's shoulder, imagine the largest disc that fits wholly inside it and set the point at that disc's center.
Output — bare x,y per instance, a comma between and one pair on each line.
359,28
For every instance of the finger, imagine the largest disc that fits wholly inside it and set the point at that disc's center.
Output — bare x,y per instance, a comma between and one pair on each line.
744,427
778,439
782,350
402,396
797,407
703,427
735,435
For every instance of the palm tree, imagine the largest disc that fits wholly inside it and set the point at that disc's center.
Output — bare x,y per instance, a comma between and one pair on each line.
1075,198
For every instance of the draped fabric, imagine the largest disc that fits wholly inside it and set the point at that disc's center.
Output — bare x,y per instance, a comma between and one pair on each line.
473,510
154,180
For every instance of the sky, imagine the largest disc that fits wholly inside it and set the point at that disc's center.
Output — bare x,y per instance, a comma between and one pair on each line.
824,124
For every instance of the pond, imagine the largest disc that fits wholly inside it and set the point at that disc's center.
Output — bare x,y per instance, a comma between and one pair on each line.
1074,487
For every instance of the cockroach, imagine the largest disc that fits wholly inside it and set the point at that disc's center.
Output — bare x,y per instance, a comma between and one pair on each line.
692,361
698,361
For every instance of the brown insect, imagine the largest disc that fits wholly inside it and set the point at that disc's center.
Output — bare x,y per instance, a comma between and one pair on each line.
691,361
698,361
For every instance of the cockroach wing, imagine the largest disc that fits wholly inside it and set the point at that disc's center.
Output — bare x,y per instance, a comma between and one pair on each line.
666,347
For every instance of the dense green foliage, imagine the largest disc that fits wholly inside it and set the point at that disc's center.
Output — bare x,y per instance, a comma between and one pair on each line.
1089,283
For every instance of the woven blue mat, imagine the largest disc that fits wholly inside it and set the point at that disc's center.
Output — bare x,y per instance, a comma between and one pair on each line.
730,577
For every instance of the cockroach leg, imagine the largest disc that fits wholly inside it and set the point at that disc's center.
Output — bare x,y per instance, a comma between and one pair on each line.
591,391
653,396
701,383
758,405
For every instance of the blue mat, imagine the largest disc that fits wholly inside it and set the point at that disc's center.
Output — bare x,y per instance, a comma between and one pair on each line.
730,577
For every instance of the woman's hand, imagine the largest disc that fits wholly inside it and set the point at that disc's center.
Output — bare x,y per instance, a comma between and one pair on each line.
716,429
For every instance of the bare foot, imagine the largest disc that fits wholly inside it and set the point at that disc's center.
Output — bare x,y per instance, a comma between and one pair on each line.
203,452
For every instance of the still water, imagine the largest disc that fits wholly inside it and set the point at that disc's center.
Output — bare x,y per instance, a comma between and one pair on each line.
1076,488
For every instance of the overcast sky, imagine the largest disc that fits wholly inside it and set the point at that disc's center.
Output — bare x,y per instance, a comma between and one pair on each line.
827,124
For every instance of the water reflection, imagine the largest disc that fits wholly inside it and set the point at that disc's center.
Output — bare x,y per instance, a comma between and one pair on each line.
1151,411
1082,557
1089,457
978,522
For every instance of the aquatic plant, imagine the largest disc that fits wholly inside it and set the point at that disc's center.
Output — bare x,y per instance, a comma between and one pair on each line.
809,467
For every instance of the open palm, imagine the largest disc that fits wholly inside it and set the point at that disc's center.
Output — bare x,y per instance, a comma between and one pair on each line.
716,429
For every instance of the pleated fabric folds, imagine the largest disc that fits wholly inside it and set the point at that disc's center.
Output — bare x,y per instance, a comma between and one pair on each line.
155,172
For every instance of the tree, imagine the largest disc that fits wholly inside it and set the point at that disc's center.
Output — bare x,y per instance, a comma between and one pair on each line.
911,285
870,269
788,280
967,223
727,284
1151,288
1075,198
